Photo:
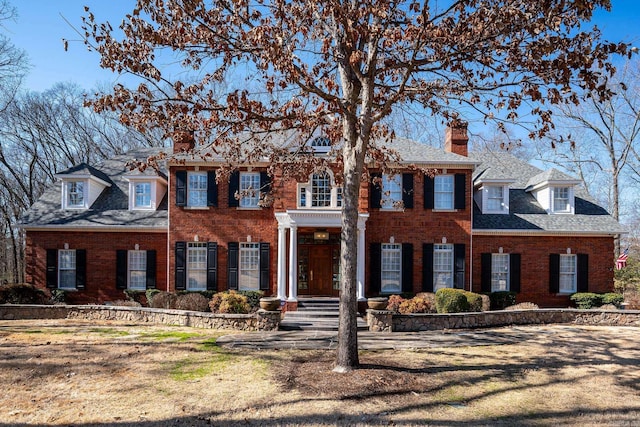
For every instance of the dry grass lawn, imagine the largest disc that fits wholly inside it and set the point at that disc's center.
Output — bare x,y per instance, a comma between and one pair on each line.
81,373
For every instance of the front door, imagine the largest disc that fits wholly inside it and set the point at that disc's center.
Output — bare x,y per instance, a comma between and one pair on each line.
319,270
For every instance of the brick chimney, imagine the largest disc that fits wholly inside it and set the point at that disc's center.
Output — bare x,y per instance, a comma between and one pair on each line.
456,139
183,141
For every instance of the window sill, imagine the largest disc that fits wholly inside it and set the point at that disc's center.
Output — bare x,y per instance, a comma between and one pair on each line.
68,289
495,212
445,210
196,208
257,208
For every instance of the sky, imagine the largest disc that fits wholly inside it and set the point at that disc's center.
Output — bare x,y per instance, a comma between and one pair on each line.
42,24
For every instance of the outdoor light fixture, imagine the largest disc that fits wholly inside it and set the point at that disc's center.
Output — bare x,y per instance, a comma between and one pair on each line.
321,235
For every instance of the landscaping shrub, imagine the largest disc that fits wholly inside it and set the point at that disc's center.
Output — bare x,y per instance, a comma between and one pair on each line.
126,303
502,299
192,301
451,301
430,298
394,303
58,296
486,302
612,298
22,294
164,300
253,299
586,300
229,302
523,306
150,293
416,305
135,295
474,300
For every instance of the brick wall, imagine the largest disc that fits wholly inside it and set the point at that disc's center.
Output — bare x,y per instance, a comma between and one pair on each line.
535,263
101,260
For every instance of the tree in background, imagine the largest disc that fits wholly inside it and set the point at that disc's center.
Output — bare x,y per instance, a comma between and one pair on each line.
13,61
342,68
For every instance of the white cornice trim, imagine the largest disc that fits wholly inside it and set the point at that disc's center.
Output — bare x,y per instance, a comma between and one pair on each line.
109,229
539,233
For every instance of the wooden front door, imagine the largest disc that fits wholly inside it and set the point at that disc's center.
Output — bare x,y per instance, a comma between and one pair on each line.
318,270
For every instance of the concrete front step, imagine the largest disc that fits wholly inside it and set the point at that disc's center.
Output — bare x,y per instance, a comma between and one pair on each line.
316,325
319,314
311,314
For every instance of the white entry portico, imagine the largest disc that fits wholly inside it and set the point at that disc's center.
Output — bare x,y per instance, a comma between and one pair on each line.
290,221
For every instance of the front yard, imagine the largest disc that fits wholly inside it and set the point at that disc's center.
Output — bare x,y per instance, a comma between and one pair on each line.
79,372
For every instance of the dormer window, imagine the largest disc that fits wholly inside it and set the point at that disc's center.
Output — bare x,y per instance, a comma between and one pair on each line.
493,198
142,195
561,199
75,196
554,191
145,191
319,192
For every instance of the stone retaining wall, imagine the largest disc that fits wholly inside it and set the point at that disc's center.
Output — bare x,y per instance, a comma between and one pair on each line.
387,321
260,321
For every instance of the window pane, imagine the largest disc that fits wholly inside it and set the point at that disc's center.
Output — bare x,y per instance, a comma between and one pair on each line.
137,269
143,195
391,190
320,190
442,266
567,273
196,266
249,266
561,199
249,189
443,192
67,269
499,272
391,268
197,189
75,193
495,199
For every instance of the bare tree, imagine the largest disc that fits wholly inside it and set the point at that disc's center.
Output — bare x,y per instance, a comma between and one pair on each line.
344,67
13,61
602,139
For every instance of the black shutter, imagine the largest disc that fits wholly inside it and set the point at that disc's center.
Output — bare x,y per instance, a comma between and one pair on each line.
514,273
264,267
407,190
427,267
407,267
52,268
212,266
232,265
428,194
181,188
81,269
375,268
582,273
212,189
181,266
458,265
234,187
485,272
151,269
121,269
460,191
554,273
375,191
265,183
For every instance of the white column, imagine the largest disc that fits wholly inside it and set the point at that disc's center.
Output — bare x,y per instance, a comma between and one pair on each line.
361,262
293,264
282,262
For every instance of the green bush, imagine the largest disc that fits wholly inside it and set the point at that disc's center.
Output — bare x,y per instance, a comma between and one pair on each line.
586,300
164,300
612,298
502,299
229,302
192,301
451,301
150,293
394,303
253,299
474,300
22,294
58,296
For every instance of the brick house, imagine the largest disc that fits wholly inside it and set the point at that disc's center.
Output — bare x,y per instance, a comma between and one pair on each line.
485,222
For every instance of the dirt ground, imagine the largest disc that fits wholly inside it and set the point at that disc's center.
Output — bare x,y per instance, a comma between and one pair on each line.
70,372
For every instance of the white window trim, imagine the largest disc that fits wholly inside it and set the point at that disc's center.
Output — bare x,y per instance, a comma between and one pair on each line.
453,194
60,269
387,202
130,254
505,199
570,195
196,246
306,187
258,192
189,191
246,247
66,194
441,248
574,284
394,248
508,272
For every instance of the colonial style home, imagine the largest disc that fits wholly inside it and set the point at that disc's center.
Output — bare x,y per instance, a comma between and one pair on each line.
484,222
